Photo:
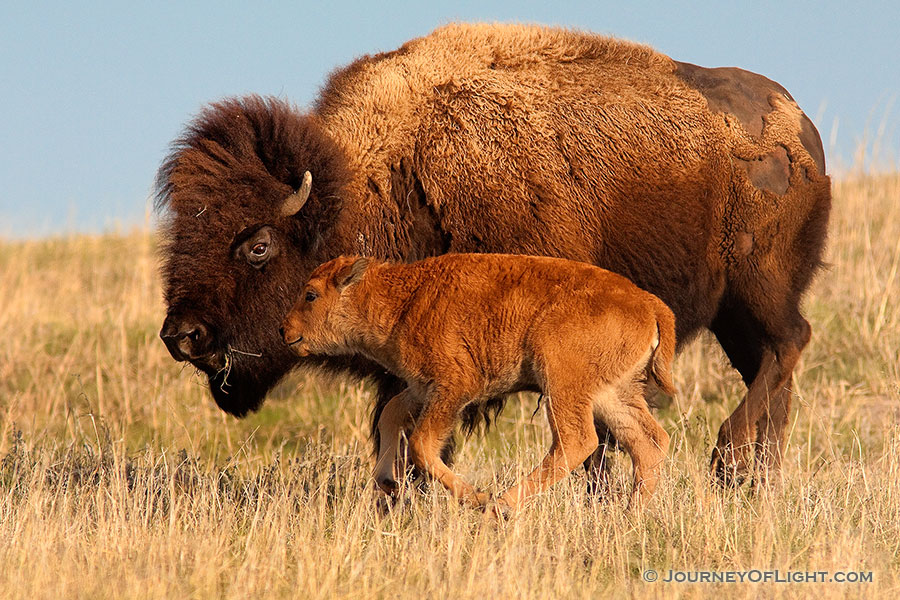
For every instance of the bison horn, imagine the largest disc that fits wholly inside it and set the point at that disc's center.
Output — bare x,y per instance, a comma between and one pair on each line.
294,202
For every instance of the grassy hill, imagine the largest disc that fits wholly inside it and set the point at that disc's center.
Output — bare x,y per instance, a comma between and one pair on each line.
120,478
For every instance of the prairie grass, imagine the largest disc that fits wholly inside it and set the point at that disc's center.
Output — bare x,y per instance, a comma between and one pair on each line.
119,478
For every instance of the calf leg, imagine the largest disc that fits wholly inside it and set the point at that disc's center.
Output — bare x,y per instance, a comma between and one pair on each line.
388,386
646,442
574,440
434,426
596,466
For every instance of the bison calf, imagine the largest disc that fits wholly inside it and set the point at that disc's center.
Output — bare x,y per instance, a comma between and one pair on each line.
460,329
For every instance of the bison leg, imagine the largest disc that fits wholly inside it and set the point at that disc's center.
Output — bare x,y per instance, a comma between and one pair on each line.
772,425
396,416
429,435
574,440
388,387
766,363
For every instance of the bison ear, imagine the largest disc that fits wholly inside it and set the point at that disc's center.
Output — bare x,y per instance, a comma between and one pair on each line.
293,203
351,273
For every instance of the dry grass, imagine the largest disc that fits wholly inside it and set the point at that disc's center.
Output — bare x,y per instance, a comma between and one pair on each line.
119,477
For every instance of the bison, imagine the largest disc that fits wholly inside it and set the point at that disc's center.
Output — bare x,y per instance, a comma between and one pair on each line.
459,329
706,187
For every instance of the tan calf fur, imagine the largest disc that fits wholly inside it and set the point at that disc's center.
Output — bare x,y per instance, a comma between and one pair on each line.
462,328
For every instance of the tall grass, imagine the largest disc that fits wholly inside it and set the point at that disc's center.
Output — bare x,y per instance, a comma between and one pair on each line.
120,478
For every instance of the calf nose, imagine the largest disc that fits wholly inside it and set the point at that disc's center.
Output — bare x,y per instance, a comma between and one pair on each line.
186,338
281,332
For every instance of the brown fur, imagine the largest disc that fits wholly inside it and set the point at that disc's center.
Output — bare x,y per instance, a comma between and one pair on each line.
704,186
462,328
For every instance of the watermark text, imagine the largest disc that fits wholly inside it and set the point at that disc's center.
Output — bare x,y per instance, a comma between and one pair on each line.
757,576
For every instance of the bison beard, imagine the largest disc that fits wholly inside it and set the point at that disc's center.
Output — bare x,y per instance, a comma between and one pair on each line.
706,187
239,396
239,391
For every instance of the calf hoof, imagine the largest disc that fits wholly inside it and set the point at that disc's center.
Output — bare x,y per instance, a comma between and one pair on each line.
731,466
498,511
477,500
483,498
598,488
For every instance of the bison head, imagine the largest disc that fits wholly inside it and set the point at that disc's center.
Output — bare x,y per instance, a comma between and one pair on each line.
249,195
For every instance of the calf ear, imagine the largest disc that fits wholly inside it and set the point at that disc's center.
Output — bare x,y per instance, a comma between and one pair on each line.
351,273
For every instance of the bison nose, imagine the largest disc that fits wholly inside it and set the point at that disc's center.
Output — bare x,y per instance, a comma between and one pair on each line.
186,338
281,332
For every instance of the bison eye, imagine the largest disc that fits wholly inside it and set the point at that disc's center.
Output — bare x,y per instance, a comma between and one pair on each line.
311,296
256,246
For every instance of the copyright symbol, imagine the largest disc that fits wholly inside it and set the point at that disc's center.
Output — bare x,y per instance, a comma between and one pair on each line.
650,575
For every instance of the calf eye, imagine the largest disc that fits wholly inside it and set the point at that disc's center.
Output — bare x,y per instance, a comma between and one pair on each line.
310,296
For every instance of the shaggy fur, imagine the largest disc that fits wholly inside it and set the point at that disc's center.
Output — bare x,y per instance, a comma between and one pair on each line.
461,328
704,186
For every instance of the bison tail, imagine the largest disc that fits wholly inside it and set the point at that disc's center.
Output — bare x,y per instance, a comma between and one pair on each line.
664,353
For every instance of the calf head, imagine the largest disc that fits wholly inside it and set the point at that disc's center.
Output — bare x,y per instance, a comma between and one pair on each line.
322,319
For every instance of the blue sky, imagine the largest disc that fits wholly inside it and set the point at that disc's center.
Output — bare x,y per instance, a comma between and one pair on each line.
93,92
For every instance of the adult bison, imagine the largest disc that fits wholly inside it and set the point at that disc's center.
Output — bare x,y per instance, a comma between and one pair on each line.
706,187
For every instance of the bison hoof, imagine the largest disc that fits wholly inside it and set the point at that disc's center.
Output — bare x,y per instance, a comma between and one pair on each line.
387,505
388,485
383,505
731,466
